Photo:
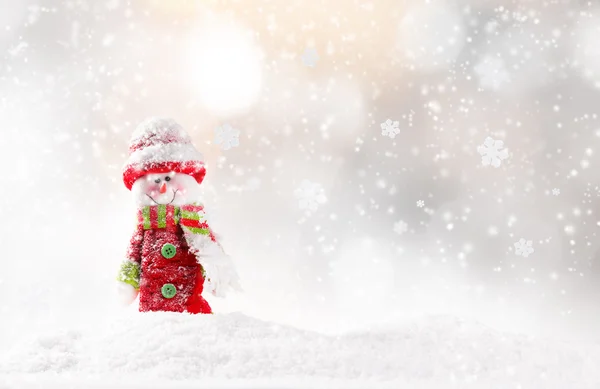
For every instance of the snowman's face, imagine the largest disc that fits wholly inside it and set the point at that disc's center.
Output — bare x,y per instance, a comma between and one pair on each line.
165,188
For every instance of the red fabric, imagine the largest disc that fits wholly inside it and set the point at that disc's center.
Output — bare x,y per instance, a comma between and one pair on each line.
153,217
134,251
196,223
195,169
192,223
192,207
182,270
197,303
171,224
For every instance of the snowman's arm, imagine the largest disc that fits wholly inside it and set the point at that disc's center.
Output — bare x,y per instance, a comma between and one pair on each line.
129,271
218,266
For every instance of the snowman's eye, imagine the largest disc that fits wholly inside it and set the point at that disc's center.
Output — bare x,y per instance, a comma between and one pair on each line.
167,178
157,180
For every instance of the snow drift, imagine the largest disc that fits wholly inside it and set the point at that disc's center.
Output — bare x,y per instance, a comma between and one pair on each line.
234,350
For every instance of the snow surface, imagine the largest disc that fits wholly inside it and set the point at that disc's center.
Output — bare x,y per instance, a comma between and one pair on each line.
233,350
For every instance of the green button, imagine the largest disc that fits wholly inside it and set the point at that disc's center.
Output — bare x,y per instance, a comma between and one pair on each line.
168,291
168,251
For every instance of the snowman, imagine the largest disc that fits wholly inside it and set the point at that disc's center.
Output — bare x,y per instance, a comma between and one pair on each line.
173,251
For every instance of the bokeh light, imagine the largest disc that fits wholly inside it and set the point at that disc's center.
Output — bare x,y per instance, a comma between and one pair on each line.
224,65
430,35
586,50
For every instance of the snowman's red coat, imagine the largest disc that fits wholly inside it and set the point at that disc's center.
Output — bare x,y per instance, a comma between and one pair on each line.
183,271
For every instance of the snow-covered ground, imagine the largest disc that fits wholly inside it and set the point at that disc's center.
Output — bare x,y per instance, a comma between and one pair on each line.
233,350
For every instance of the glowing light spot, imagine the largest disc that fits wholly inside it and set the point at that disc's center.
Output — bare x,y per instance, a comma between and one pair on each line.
224,65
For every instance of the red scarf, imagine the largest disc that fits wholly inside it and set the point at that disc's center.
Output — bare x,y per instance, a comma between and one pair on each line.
190,216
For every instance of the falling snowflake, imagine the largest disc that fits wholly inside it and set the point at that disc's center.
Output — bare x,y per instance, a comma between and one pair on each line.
227,137
492,152
420,203
310,57
400,227
310,195
390,128
491,72
555,191
523,248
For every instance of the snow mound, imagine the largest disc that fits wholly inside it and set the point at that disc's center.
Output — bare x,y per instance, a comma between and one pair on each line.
54,352
159,347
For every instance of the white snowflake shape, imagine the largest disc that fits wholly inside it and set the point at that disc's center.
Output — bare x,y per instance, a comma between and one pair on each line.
555,191
491,72
227,137
420,203
390,128
310,195
400,227
310,57
523,248
492,152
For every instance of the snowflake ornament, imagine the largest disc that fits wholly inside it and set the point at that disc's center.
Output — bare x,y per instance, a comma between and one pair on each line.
390,128
420,203
310,195
227,137
523,248
400,227
492,152
310,57
555,191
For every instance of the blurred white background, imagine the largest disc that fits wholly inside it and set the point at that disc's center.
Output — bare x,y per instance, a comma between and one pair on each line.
307,84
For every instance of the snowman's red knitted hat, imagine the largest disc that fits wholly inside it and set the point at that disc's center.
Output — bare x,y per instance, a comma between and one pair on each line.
160,145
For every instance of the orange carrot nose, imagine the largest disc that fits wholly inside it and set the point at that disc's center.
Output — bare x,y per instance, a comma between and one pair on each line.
163,188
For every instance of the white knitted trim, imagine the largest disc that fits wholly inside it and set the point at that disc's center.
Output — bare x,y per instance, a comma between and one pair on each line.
171,152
